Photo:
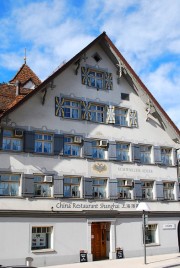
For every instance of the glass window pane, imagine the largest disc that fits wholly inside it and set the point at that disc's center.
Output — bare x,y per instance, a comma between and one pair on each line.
7,133
67,149
14,189
47,147
38,147
16,145
75,113
6,144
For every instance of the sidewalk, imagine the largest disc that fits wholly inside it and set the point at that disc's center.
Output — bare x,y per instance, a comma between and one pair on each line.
159,261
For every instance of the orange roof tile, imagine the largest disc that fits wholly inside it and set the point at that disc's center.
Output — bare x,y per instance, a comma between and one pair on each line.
25,74
8,97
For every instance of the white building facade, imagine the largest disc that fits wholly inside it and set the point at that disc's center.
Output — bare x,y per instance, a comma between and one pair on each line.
78,154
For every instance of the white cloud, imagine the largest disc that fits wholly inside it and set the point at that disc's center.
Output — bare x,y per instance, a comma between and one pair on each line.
146,33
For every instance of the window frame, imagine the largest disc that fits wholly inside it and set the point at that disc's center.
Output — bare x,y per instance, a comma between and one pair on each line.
93,79
147,190
49,238
72,185
166,157
120,118
11,182
146,155
125,191
43,141
99,189
99,114
43,186
168,190
11,138
126,151
72,146
155,236
71,108
97,149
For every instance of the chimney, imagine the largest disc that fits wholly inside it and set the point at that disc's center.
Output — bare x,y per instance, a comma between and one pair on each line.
17,87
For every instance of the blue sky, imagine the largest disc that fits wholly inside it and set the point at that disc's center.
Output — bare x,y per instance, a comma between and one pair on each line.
147,33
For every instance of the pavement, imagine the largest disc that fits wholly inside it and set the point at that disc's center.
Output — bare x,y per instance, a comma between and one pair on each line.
158,261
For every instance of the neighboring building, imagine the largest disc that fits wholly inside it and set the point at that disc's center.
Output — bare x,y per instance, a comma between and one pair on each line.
78,153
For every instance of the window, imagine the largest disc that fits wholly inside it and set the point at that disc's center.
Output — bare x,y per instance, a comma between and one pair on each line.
166,154
9,184
43,143
145,154
96,78
125,189
99,188
11,140
97,57
99,151
124,96
71,109
122,151
151,234
147,189
41,187
121,117
72,187
41,237
168,188
97,113
72,147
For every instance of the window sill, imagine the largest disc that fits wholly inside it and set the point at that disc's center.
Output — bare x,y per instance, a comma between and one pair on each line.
153,245
11,196
42,251
72,156
48,154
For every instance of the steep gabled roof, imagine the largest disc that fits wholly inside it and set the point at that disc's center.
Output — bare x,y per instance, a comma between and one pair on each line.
8,91
24,74
130,75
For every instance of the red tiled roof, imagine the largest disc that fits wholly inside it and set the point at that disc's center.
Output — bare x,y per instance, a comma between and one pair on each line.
8,97
25,74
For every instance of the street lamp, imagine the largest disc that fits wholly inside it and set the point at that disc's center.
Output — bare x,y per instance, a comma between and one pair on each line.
144,208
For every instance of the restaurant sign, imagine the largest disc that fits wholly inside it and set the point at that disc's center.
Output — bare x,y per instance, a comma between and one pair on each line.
79,206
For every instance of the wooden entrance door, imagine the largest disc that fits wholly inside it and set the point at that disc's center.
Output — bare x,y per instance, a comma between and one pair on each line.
98,240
